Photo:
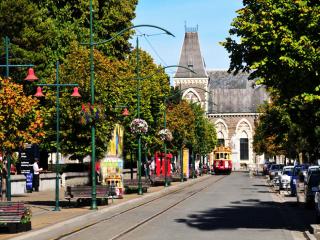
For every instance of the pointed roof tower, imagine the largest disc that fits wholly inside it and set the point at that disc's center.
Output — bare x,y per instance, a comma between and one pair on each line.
191,56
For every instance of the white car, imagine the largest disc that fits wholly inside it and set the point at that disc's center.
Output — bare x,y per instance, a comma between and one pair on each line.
285,177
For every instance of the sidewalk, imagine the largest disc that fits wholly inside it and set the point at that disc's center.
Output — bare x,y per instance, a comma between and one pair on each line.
42,205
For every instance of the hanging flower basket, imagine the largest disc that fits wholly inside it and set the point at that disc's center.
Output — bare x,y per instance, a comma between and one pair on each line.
165,135
91,113
139,126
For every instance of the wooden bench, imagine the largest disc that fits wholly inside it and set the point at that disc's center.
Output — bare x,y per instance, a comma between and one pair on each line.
160,180
80,192
131,185
11,214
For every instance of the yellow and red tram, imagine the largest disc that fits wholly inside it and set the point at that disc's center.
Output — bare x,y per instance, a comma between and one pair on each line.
222,162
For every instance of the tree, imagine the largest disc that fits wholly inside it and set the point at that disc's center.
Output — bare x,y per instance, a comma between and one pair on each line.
21,120
205,133
43,31
181,122
274,132
277,43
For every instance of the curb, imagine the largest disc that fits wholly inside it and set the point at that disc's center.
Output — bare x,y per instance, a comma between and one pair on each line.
309,236
77,222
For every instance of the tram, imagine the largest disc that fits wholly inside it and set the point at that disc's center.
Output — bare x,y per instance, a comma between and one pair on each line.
222,162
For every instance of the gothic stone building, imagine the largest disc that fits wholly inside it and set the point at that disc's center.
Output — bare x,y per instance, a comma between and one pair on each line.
230,101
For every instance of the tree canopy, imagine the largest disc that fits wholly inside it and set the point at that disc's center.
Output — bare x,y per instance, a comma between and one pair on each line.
21,120
277,42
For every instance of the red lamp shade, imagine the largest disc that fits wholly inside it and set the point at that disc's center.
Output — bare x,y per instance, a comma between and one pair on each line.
31,76
75,92
125,112
39,92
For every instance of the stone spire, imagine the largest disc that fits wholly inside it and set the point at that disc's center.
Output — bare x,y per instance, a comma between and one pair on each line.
191,56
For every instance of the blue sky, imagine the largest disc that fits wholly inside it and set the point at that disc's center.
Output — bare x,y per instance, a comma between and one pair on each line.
213,18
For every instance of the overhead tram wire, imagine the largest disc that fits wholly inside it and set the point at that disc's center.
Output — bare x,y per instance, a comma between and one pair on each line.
151,46
171,72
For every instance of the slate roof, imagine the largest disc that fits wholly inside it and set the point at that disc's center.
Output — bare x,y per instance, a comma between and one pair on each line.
234,93
191,57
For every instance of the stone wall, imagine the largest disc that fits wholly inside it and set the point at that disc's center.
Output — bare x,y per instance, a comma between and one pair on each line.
232,127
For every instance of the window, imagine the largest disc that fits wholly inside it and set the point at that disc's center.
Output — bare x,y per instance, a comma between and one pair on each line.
244,149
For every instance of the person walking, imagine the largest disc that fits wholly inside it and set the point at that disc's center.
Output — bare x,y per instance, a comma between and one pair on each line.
36,172
3,186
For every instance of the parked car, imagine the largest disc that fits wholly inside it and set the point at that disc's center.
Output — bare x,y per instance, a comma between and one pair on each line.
298,170
312,169
317,205
307,188
285,177
274,170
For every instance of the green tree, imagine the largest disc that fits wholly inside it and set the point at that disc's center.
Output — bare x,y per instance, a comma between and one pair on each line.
277,42
205,133
274,132
20,118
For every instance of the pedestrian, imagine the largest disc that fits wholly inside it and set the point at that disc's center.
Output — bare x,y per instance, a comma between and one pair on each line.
98,172
3,180
36,173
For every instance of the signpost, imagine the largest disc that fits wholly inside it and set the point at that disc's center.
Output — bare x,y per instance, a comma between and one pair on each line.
26,167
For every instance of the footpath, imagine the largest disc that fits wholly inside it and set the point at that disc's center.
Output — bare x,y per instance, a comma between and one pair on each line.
45,219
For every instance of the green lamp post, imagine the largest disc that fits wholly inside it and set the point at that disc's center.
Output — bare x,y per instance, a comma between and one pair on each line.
93,129
75,93
31,77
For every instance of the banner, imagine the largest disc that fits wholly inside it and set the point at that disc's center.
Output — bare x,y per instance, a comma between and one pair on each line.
111,174
111,166
115,146
185,162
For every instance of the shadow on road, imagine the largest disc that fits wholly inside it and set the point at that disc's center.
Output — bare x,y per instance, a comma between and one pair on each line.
254,214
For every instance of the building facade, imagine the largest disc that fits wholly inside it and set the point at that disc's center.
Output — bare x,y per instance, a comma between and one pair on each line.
230,101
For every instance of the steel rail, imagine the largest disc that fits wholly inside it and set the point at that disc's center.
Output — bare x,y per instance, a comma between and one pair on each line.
137,206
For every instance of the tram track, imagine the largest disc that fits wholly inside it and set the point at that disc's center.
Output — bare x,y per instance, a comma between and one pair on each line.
148,202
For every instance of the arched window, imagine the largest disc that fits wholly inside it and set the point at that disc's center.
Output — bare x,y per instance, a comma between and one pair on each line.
244,146
220,139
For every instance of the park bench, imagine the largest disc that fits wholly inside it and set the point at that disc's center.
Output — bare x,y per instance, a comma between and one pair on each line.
11,215
81,192
160,180
131,185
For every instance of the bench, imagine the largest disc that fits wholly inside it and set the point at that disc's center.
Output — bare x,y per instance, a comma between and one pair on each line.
80,192
160,180
12,215
131,185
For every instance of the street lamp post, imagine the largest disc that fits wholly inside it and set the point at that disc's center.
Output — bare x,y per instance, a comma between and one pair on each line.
7,67
93,154
75,93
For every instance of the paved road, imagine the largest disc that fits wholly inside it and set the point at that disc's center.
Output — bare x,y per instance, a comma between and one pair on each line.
221,207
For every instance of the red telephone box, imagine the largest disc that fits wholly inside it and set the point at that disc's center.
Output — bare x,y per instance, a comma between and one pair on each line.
162,163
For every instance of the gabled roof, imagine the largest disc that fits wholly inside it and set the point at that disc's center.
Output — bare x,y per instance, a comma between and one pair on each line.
234,93
191,57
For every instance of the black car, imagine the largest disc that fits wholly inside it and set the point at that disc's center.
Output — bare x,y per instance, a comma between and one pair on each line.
308,190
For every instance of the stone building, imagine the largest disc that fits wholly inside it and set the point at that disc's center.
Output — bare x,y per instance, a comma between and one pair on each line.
230,101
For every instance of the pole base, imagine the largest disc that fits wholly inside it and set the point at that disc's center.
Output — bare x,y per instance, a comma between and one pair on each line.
56,209
140,192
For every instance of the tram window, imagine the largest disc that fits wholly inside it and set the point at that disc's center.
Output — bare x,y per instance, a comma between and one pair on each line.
244,149
217,156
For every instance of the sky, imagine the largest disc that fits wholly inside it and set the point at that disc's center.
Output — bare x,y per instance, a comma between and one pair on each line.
213,18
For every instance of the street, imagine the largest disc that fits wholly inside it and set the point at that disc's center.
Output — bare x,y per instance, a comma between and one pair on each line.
219,207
